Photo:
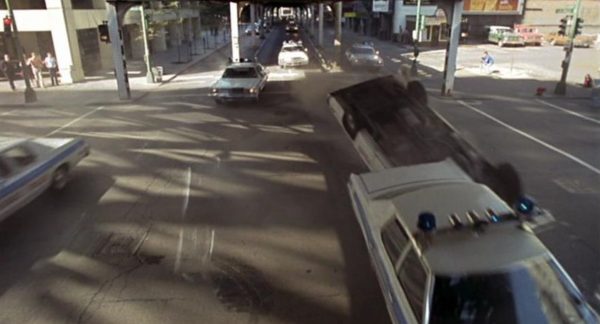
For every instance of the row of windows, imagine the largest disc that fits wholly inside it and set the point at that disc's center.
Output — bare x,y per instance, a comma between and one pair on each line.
410,271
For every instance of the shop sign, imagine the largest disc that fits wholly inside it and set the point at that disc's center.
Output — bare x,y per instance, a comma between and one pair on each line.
493,7
381,6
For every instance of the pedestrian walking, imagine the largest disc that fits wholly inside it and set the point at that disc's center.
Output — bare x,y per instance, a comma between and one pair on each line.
8,69
36,64
487,62
52,66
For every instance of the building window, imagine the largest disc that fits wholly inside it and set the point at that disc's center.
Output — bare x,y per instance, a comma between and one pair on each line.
25,5
87,4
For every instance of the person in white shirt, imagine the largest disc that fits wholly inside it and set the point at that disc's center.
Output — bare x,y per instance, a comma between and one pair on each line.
52,66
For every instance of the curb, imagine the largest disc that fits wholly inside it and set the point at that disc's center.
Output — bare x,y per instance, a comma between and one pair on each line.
178,73
325,65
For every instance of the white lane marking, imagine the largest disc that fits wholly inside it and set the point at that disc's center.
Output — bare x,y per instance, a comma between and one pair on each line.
590,119
184,208
212,244
535,139
8,112
74,121
186,198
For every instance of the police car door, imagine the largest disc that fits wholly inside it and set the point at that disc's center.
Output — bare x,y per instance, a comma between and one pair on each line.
23,182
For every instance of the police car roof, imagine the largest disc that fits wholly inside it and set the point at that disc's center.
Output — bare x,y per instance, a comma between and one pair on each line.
496,248
241,65
6,142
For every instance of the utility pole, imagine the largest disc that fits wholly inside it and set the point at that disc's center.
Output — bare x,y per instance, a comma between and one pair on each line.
147,58
30,95
561,86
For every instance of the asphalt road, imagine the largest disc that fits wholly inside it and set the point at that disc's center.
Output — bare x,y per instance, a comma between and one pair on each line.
191,213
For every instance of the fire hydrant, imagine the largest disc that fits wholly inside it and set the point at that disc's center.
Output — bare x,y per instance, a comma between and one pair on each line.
587,81
540,91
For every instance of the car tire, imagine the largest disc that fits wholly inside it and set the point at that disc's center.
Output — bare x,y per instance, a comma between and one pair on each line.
352,124
417,92
60,177
218,102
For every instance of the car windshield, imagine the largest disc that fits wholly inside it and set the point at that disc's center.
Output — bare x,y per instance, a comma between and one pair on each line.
531,292
292,49
240,72
362,50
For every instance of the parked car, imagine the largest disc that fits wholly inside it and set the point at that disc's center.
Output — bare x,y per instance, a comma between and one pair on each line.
583,41
292,54
240,81
30,166
530,35
446,249
503,35
364,55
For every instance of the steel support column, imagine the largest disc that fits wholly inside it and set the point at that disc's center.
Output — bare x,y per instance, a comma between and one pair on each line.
452,49
235,32
252,18
321,24
115,14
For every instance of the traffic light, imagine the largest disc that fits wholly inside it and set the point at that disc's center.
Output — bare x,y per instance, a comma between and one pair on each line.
562,28
7,24
578,26
103,31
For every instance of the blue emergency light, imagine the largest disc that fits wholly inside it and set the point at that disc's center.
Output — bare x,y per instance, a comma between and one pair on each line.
426,222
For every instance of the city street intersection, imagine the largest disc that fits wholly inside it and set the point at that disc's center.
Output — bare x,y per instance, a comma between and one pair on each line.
189,212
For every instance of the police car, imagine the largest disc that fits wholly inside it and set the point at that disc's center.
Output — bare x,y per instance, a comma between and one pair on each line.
446,249
29,166
242,80
292,54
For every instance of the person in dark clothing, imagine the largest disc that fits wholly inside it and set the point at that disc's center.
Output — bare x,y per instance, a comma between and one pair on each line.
8,69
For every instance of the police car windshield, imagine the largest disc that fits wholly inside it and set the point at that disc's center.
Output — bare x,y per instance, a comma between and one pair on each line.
239,72
292,49
363,50
532,292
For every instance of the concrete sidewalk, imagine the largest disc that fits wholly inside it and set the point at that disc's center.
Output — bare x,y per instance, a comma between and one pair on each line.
104,85
467,84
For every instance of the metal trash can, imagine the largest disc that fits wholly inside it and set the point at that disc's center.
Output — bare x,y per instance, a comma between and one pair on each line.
158,73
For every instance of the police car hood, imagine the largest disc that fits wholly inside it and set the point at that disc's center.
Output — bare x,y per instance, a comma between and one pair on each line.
228,83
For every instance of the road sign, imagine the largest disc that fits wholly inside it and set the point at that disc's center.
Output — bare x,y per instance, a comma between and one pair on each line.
566,10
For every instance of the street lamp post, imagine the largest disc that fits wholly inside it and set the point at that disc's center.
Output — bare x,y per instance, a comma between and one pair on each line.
30,95
147,58
418,21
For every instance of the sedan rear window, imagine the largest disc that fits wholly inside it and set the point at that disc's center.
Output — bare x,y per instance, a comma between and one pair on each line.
240,72
362,50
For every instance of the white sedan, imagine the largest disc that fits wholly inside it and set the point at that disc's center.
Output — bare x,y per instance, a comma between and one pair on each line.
448,250
292,54
240,81
29,166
